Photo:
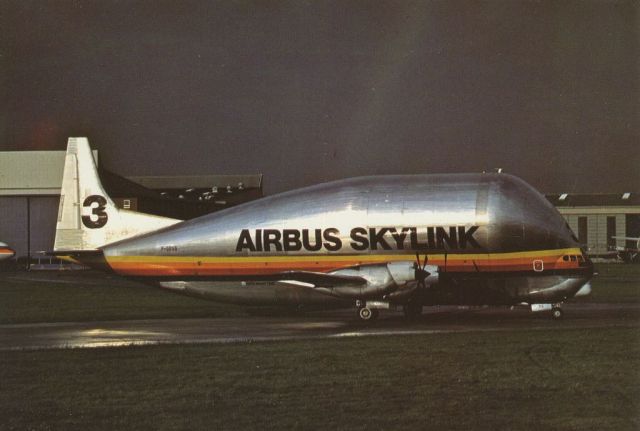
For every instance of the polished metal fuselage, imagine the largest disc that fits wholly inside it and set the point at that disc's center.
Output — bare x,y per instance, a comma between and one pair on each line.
236,255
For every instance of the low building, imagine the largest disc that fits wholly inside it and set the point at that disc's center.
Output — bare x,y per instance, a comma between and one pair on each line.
597,218
181,197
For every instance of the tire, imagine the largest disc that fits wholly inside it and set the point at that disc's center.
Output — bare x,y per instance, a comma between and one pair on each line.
365,314
557,313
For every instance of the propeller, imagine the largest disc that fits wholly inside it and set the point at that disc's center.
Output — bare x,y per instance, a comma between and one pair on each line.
419,271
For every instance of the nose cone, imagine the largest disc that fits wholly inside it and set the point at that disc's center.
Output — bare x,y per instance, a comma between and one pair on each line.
583,281
584,290
588,275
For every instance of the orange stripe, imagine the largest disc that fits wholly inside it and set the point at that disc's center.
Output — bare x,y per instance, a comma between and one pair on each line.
167,267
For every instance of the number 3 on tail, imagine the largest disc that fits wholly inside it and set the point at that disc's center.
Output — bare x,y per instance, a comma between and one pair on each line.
97,210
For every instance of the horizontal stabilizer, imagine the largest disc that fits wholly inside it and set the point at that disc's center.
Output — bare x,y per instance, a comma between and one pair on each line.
91,258
75,253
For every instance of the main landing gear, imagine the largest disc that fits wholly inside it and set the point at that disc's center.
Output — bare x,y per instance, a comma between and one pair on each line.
367,314
369,310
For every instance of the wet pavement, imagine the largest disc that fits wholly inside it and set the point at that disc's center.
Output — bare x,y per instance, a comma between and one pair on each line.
339,324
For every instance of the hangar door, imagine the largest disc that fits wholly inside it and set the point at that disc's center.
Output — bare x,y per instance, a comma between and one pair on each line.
28,224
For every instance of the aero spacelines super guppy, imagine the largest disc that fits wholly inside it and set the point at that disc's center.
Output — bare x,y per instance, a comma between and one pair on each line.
369,243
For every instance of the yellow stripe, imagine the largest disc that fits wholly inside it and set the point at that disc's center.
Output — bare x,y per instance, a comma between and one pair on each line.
340,258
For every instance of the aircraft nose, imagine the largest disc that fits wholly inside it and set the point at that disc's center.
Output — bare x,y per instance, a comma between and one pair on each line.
590,267
586,276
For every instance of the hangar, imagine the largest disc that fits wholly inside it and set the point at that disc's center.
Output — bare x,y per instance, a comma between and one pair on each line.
30,184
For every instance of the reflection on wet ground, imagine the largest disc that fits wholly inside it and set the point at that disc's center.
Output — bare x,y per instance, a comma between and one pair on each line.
318,325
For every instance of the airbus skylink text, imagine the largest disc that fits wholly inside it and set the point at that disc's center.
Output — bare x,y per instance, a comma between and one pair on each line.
383,238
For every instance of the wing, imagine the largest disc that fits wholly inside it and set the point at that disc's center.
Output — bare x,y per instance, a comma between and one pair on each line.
319,279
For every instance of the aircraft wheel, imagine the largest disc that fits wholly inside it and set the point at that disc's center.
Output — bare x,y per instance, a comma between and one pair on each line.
412,310
367,314
556,313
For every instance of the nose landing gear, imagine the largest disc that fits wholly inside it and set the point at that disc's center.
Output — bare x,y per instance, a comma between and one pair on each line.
556,310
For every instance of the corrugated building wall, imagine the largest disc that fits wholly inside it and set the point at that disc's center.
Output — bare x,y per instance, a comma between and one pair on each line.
597,235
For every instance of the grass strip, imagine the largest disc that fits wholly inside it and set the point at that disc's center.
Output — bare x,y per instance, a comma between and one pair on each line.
517,380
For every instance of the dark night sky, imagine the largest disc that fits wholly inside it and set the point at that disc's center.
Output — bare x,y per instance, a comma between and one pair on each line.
306,92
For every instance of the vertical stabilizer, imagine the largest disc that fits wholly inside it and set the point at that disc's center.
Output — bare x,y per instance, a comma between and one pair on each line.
87,217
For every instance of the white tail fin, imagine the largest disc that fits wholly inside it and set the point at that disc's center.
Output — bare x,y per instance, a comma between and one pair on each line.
87,217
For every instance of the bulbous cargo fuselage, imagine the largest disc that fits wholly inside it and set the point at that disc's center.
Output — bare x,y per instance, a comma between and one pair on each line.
494,239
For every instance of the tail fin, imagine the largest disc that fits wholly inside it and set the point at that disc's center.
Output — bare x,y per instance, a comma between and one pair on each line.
87,217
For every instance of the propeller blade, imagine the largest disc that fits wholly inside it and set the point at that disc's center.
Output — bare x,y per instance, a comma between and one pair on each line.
419,271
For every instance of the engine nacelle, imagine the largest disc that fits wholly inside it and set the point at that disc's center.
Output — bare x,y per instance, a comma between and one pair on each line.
395,279
404,272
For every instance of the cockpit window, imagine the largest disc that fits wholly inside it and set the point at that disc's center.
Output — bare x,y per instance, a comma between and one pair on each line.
573,258
565,258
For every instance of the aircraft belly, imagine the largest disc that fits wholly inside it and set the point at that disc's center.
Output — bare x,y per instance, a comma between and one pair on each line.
253,293
507,289
553,288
